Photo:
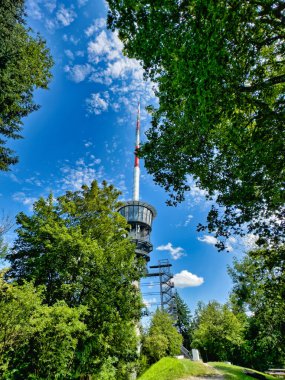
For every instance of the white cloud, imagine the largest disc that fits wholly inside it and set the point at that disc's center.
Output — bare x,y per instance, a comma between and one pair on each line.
79,53
81,174
175,253
186,279
50,5
211,240
14,178
34,181
88,144
249,241
110,68
65,16
71,38
105,48
33,9
150,302
98,24
98,103
25,200
208,239
78,73
188,220
69,54
81,3
51,25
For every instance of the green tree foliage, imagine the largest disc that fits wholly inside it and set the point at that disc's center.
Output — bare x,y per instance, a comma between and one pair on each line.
220,75
76,247
162,338
5,225
36,341
259,288
183,321
25,64
219,332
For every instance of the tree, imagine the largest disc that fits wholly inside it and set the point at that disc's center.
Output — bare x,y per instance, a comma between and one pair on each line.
184,320
25,64
162,338
218,67
77,247
219,332
36,341
6,224
259,289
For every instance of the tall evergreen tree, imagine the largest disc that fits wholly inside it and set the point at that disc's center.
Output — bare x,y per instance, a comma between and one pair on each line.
184,321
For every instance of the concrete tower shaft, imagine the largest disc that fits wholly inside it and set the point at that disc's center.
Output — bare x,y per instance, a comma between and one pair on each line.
139,214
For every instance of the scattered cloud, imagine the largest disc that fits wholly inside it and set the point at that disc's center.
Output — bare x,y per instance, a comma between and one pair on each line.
70,38
81,3
33,9
69,54
150,302
186,279
50,5
98,24
176,253
186,221
249,242
98,103
14,178
88,144
121,76
208,239
22,198
34,180
151,285
79,174
78,73
65,16
211,240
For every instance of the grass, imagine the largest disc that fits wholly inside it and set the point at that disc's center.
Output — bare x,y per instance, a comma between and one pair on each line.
174,369
233,372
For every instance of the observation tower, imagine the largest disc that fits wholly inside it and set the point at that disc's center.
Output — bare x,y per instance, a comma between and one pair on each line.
139,214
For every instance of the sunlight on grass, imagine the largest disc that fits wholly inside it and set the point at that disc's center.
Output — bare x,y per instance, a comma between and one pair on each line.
172,369
233,372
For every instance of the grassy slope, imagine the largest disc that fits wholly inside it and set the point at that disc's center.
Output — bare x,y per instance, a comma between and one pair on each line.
175,369
172,369
233,372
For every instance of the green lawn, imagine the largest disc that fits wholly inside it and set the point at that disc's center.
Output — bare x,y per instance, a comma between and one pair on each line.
233,372
172,369
176,369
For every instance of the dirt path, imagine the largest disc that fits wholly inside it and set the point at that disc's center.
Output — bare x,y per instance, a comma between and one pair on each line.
214,377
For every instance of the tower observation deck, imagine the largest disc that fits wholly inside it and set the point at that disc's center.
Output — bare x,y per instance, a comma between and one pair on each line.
139,214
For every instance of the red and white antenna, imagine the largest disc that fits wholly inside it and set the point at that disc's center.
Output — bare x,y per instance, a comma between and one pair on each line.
136,188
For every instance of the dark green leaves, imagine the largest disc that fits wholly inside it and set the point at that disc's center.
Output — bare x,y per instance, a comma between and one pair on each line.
219,70
76,247
25,64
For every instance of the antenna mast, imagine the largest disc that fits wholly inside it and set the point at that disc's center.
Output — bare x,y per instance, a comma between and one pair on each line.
136,189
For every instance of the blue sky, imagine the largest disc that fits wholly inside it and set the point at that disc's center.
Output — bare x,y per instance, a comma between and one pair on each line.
85,130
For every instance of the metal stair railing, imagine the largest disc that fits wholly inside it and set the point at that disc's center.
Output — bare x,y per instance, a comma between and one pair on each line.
186,353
